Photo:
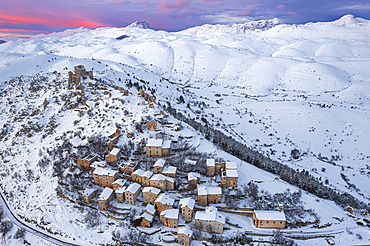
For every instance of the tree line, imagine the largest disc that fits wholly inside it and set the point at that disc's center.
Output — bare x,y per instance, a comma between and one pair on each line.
302,179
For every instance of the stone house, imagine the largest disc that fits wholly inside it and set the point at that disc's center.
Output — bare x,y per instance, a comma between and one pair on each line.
146,220
120,194
113,156
158,148
170,183
193,178
158,166
208,195
170,171
152,126
131,193
166,148
210,167
88,194
210,220
202,195
170,218
229,178
125,92
105,197
214,195
164,202
186,208
128,167
145,179
137,175
84,163
269,219
105,177
119,183
150,194
154,148
184,236
148,216
158,181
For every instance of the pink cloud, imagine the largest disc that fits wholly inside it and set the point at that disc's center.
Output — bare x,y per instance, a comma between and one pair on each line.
290,13
49,22
280,6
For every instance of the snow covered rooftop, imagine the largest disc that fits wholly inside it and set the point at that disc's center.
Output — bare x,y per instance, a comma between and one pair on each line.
107,192
104,171
169,179
210,162
152,190
187,202
231,165
213,190
139,172
120,182
193,176
150,208
270,215
154,142
114,151
190,162
147,217
159,163
88,191
170,170
166,144
158,177
121,190
231,173
133,188
147,174
165,199
170,213
211,214
186,231
96,164
202,190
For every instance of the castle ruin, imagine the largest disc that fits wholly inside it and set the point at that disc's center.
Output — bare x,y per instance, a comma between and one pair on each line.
80,73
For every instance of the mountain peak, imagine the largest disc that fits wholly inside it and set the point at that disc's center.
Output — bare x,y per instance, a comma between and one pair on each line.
140,24
347,20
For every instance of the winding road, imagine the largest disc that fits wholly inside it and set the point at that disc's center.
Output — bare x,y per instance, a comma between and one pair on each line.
31,229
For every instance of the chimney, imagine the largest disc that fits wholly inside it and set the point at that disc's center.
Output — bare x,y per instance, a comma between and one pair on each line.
280,207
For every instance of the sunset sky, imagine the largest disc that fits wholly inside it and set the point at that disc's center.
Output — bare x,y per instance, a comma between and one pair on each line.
26,18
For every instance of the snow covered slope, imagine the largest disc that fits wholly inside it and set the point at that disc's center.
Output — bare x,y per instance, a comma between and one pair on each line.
302,86
277,88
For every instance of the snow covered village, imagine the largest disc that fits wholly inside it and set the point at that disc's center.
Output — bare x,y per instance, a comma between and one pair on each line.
240,134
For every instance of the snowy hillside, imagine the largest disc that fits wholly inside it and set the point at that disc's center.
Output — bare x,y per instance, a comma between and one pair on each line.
297,93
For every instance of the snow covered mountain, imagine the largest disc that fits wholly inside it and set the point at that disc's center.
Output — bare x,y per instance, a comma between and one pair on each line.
233,28
139,24
297,93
